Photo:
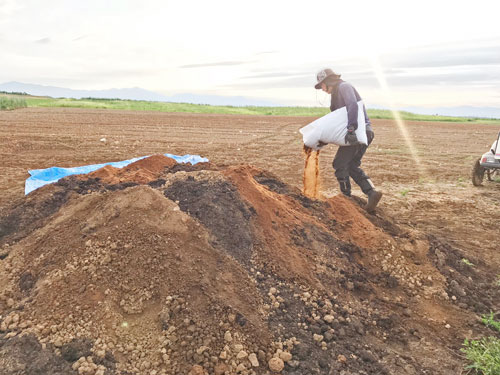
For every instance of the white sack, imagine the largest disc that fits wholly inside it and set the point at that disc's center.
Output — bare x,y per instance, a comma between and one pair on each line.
332,128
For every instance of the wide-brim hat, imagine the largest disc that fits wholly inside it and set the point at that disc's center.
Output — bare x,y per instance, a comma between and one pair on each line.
324,74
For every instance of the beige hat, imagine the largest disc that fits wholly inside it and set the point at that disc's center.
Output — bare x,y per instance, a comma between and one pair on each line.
324,74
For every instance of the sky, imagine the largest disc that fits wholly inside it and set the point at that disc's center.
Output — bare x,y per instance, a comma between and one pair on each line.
425,53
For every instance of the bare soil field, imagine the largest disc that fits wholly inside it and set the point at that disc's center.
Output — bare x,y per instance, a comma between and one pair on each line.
442,201
267,281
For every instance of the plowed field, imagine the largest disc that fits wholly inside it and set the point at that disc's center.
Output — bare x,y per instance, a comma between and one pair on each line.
443,201
226,268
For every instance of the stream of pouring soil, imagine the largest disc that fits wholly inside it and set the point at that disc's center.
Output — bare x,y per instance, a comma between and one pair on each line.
311,173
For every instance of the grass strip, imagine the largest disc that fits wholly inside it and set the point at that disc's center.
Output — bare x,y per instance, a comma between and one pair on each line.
142,105
9,103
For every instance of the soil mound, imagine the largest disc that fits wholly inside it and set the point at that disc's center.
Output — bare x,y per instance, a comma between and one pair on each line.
141,171
213,270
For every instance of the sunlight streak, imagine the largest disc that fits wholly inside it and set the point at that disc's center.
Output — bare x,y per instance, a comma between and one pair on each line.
379,74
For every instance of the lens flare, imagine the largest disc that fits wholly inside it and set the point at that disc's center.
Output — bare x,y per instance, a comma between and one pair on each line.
379,74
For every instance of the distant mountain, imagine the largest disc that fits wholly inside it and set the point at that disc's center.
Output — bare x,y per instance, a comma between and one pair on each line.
236,101
135,93
461,111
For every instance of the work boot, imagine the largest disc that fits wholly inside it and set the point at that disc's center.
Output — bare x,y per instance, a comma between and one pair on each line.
374,197
345,186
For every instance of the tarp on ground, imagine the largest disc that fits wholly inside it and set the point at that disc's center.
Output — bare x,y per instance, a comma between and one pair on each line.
41,177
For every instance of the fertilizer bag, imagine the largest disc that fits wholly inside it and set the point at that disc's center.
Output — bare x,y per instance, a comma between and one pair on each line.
332,128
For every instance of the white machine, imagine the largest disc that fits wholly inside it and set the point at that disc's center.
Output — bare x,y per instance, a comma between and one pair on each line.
488,164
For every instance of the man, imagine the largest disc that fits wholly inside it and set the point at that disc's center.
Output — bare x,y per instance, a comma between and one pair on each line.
347,161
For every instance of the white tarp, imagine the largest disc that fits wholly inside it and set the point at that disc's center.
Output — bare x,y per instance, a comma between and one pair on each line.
332,128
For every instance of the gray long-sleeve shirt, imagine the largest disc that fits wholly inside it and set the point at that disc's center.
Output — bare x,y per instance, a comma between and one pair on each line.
345,95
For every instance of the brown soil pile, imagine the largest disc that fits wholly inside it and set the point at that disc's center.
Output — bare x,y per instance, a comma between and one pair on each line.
141,171
230,271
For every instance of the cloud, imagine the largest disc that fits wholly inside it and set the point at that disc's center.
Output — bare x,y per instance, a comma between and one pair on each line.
292,82
412,78
278,74
9,7
79,38
471,65
446,56
266,53
43,41
220,63
469,76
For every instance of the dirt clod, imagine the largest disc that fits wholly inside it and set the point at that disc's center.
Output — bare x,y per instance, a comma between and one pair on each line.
76,349
25,355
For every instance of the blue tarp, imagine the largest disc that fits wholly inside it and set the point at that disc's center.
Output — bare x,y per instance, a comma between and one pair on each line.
40,177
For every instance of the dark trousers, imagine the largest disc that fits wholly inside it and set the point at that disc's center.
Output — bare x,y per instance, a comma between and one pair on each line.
347,164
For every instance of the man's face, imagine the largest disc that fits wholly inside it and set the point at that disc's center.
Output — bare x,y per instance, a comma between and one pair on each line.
325,88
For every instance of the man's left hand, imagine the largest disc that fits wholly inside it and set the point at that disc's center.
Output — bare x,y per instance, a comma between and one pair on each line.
350,137
370,135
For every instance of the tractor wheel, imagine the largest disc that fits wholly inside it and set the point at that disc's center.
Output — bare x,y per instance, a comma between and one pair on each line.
477,173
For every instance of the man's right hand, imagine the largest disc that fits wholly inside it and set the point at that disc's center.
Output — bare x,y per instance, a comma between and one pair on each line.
320,145
350,137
